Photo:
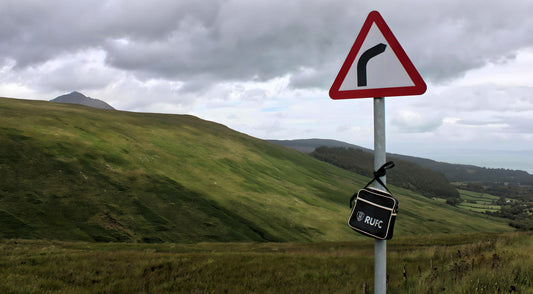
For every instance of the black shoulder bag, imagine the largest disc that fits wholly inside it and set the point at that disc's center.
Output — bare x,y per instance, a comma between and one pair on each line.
374,211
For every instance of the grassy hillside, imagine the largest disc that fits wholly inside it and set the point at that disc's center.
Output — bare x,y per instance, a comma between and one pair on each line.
406,174
76,173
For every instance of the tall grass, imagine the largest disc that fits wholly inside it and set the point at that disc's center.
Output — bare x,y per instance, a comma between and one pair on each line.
488,264
472,263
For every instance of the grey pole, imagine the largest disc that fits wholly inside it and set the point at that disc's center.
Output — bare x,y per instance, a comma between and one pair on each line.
380,246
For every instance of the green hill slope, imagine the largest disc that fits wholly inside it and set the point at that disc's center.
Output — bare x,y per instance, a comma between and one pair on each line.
406,174
76,173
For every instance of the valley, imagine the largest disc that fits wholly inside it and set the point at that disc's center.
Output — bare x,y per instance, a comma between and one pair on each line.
78,173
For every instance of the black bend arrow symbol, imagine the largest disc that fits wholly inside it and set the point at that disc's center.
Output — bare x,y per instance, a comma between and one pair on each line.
363,60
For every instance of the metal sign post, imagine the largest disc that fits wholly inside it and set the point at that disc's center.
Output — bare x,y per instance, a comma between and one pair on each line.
380,246
377,66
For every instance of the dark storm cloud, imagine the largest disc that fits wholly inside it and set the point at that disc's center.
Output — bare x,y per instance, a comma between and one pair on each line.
246,40
455,37
212,41
223,40
36,31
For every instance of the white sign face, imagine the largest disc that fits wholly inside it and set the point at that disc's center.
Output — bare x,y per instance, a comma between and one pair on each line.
382,71
376,66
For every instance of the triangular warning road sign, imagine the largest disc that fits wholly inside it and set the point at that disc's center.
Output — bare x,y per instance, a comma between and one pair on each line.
376,66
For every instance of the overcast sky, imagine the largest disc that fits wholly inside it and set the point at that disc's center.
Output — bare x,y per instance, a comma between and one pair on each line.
264,68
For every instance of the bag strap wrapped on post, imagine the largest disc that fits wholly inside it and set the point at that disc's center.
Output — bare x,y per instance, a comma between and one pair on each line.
382,171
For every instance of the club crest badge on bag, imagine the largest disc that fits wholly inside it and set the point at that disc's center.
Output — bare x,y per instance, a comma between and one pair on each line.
374,211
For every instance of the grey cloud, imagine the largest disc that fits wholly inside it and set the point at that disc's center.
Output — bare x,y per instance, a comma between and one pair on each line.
68,78
503,125
35,31
72,72
470,122
412,122
212,41
480,100
174,39
453,37
521,125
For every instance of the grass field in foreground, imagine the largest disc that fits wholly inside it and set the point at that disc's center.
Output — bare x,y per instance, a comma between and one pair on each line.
444,263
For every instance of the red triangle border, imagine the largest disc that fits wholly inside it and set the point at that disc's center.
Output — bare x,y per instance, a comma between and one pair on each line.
419,84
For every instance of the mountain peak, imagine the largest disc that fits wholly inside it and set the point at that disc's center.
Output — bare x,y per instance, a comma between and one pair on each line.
76,97
76,94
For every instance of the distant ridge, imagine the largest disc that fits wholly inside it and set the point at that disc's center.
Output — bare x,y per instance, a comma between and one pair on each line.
79,98
453,172
309,145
